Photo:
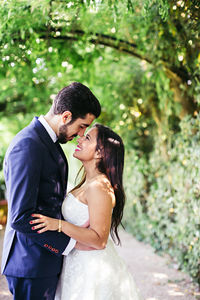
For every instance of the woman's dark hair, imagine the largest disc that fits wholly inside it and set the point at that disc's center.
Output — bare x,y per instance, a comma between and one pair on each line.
78,99
111,164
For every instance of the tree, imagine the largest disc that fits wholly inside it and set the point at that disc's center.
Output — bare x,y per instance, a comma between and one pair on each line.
142,54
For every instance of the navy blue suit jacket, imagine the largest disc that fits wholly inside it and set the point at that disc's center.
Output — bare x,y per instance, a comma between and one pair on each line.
35,173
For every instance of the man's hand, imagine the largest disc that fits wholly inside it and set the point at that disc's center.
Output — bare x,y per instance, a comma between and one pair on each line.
86,224
83,247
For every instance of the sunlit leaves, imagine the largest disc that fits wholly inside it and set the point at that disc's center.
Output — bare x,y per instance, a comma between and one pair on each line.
163,197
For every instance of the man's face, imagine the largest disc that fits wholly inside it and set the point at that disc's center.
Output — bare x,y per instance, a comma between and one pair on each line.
68,132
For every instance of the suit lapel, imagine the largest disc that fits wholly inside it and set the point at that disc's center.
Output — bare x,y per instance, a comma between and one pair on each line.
65,168
55,150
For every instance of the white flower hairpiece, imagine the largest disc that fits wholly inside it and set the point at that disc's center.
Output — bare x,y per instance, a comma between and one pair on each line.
113,141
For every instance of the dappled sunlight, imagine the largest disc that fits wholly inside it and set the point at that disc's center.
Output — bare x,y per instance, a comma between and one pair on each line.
175,293
160,276
101,183
175,290
171,290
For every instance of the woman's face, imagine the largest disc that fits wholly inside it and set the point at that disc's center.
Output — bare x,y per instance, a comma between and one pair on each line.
86,148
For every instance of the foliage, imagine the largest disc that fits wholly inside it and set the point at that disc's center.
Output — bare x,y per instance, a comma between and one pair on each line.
141,59
163,198
140,54
2,183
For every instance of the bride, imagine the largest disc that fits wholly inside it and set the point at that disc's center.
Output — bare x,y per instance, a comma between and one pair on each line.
93,270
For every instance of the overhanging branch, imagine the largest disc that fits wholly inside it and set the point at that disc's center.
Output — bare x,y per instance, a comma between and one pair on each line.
121,46
105,40
108,41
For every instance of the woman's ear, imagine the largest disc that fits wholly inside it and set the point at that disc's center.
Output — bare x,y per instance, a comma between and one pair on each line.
98,154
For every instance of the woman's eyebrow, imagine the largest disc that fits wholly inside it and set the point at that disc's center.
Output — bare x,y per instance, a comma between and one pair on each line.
88,135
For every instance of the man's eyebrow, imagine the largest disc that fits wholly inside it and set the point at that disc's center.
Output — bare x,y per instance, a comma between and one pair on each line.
86,125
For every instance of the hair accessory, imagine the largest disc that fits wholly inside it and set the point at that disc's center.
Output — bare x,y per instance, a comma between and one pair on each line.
113,141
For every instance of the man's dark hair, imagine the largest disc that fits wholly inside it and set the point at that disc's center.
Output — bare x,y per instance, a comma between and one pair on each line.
78,99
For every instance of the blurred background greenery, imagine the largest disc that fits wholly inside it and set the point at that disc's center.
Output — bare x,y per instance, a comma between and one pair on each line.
141,58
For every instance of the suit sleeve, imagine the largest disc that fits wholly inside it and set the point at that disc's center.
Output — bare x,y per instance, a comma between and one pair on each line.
23,167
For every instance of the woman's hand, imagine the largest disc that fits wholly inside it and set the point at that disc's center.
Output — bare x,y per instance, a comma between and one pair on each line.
44,223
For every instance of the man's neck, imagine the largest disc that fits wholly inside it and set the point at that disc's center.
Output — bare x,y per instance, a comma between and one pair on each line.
52,120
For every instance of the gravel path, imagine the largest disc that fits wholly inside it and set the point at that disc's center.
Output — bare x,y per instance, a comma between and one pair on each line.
153,274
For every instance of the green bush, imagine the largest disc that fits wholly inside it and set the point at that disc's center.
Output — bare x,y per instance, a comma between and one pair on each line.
2,182
163,197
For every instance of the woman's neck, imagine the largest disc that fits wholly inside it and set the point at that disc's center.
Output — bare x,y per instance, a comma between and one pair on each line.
91,171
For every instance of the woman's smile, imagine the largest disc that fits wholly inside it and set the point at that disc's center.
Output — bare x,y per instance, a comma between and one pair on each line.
78,148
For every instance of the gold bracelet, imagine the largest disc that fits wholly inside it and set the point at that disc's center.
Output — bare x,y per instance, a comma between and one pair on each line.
59,225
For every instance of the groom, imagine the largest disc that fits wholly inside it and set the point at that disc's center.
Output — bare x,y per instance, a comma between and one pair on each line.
36,170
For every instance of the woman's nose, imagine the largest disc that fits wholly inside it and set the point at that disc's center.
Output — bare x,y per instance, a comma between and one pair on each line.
79,140
81,132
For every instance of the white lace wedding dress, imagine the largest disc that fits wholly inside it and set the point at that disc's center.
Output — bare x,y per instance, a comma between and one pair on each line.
96,274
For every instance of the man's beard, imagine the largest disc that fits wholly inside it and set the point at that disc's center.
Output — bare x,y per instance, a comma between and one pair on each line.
63,137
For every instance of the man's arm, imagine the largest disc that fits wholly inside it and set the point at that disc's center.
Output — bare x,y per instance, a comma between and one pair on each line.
23,167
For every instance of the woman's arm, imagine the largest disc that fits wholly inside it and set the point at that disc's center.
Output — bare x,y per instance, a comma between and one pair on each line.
100,211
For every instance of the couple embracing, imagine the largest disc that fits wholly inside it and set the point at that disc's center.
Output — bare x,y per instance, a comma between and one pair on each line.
60,246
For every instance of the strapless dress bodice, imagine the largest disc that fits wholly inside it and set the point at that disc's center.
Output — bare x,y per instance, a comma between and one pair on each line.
75,211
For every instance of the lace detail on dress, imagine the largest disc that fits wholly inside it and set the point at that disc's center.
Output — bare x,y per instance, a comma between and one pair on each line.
96,274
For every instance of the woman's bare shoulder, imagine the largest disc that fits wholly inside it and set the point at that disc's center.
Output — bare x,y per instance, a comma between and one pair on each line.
100,183
101,187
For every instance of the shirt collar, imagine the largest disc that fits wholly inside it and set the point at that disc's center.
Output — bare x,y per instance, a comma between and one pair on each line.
48,128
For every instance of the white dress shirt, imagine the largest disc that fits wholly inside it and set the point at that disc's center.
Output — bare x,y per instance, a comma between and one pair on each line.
54,138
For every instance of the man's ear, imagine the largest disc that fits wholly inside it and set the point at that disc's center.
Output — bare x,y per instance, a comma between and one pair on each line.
66,117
